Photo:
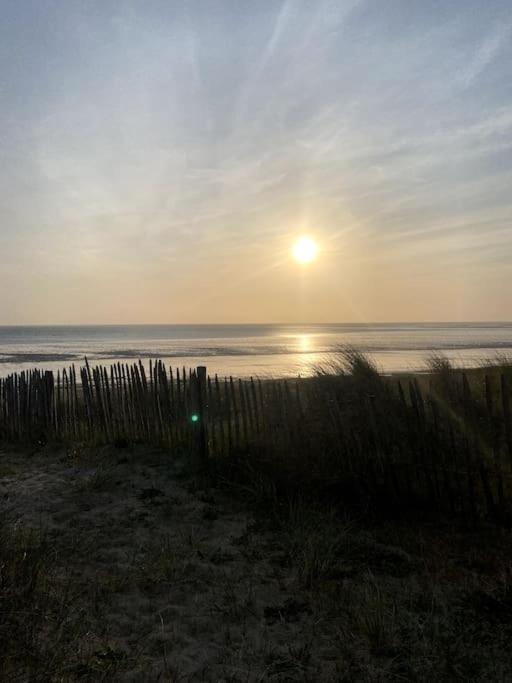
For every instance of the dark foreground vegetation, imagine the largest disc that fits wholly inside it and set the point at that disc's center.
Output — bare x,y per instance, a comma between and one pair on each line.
439,442
117,565
349,526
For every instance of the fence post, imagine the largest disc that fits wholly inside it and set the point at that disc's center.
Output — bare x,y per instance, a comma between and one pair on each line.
505,401
202,413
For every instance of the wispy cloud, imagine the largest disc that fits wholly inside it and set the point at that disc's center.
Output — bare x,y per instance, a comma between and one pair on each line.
486,53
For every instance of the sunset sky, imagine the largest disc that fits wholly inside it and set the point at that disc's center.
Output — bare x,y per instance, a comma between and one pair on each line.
161,158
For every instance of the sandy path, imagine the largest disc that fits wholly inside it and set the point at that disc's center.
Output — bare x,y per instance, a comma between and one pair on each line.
177,582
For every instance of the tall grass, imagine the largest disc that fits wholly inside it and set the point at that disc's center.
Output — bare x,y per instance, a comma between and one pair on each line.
438,443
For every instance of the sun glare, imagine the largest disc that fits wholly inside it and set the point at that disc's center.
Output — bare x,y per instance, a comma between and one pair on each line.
305,250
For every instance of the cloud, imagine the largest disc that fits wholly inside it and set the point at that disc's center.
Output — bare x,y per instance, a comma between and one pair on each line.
486,53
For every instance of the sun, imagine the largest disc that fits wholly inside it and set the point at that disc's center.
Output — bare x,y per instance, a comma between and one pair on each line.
305,250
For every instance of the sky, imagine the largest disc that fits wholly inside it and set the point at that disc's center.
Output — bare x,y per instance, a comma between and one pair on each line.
160,158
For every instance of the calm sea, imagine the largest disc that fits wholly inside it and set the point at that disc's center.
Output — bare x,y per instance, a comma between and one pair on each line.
244,350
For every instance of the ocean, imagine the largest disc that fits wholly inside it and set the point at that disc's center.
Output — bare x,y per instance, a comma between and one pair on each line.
251,350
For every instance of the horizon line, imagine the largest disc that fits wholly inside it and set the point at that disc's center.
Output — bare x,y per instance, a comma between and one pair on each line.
256,324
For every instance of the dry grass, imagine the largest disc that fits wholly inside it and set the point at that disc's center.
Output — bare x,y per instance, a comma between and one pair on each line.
40,624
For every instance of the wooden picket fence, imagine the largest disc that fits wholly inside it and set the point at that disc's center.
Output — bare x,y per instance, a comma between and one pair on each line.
101,404
172,407
406,442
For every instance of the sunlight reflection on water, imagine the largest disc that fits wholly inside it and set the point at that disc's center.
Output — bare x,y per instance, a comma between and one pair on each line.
258,350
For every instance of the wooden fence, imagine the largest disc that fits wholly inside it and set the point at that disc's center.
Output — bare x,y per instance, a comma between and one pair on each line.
172,407
446,445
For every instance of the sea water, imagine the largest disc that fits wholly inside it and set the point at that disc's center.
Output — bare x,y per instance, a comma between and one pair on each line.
271,350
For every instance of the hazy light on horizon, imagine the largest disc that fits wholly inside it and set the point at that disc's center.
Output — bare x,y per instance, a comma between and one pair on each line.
160,158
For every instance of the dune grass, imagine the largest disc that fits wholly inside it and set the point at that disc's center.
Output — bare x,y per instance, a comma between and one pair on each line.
40,627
